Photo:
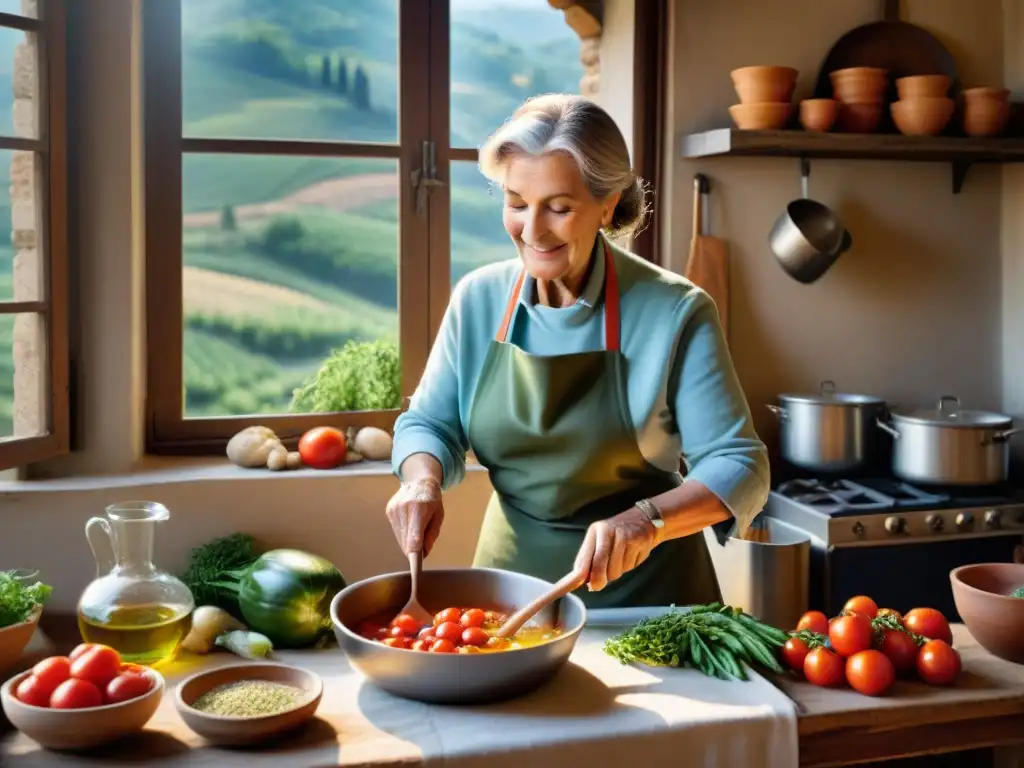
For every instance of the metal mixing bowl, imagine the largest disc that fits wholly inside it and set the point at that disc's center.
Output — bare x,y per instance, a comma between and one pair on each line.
455,678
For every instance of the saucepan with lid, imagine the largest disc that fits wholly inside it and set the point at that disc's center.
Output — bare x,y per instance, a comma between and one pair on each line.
829,432
948,445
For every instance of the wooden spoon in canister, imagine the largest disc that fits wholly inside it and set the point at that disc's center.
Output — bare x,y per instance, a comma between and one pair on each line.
516,621
413,607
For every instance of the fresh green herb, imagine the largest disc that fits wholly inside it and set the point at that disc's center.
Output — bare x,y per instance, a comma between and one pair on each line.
362,376
19,599
210,564
1018,593
717,639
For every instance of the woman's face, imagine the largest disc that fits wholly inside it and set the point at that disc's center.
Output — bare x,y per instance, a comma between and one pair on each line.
551,215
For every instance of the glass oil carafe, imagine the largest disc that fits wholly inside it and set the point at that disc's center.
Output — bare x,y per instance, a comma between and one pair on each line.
133,606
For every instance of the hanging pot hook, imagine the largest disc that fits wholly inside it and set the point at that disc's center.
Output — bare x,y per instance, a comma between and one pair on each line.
805,172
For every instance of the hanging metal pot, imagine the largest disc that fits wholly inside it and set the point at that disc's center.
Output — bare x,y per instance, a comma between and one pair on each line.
947,445
829,432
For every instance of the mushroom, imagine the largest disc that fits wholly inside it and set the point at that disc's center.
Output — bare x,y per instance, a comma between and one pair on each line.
252,446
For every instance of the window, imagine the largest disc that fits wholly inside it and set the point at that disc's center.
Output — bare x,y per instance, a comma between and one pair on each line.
312,196
34,421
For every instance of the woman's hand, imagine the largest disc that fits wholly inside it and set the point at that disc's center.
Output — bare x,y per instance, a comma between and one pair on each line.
615,546
416,513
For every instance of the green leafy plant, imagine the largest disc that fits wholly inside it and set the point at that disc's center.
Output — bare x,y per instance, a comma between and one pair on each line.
361,376
210,563
18,598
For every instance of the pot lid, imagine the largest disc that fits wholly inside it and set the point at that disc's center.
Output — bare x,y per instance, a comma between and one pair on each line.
828,396
948,413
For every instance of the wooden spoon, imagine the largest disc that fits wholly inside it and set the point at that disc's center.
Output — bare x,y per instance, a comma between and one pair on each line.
566,585
413,607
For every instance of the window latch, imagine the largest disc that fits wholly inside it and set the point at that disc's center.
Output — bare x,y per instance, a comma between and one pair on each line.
424,178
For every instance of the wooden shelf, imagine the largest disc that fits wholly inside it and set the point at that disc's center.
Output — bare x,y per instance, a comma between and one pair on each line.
960,152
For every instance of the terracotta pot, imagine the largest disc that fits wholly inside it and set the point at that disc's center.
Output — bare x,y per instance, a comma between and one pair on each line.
982,596
859,117
14,638
818,114
917,86
922,116
760,117
764,84
985,92
859,85
985,117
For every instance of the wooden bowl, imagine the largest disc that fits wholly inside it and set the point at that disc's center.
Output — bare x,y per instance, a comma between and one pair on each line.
981,593
923,116
14,638
760,117
984,117
859,117
859,85
818,114
80,728
237,730
764,84
917,86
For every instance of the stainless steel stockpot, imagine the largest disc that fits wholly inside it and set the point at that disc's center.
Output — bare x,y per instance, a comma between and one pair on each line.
948,445
829,432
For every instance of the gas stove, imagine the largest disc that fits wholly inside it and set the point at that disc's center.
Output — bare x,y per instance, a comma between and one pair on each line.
887,511
894,541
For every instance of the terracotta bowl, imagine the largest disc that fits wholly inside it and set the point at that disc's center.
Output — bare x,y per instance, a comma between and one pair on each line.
859,117
985,117
924,116
14,638
996,620
984,92
760,117
235,730
80,728
764,84
859,85
917,86
818,114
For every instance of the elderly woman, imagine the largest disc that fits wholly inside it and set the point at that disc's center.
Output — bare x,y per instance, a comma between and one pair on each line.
579,374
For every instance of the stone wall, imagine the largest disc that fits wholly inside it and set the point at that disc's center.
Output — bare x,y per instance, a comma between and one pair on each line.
584,19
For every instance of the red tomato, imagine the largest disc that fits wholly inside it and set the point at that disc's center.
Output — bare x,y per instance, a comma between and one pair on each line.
938,663
400,641
396,632
900,649
98,666
442,646
426,632
474,636
930,623
76,694
127,687
52,672
863,605
823,668
32,692
323,448
816,621
474,617
407,624
450,631
850,635
424,644
132,669
81,649
794,652
453,615
870,672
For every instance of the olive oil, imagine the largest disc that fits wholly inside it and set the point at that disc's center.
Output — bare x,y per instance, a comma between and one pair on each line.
142,634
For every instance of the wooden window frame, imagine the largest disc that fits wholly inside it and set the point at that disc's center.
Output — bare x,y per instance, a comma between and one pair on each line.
424,266
50,151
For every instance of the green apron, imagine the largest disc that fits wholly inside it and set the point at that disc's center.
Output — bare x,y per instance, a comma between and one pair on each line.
556,436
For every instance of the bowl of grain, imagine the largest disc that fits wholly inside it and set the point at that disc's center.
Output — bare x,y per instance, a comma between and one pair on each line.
248,703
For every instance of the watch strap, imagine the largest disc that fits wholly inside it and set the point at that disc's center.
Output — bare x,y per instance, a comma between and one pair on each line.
653,514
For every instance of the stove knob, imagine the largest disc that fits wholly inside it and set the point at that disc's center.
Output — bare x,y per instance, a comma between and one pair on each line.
858,529
895,524
994,518
934,522
964,520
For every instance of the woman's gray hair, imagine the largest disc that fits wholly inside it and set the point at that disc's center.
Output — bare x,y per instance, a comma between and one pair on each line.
577,126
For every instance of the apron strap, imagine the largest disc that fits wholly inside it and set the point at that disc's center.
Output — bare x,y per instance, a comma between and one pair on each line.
611,304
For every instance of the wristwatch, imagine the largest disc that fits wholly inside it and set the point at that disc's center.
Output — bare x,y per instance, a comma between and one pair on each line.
648,508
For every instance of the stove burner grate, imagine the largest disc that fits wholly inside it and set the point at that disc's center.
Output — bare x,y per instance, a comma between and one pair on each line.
847,496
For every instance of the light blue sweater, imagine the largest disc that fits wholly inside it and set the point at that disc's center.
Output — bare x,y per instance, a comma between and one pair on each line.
684,396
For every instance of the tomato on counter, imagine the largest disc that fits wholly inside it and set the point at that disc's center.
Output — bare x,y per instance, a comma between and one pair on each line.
850,635
938,663
929,623
90,676
813,621
323,448
870,672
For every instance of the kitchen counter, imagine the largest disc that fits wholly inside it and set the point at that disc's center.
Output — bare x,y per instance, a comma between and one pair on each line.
358,725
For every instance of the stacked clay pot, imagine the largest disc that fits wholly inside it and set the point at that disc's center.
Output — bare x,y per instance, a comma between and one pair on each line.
860,92
766,96
924,107
986,111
